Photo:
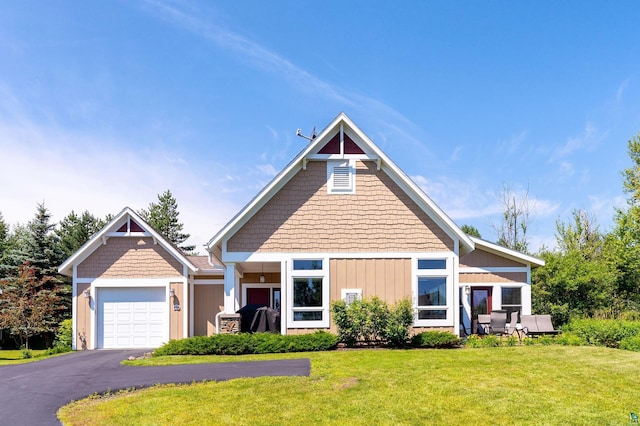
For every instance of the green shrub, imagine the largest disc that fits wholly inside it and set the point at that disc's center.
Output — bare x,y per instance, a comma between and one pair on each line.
473,341
399,321
529,341
372,321
491,341
245,343
435,339
630,343
606,332
545,340
569,339
512,340
64,337
26,353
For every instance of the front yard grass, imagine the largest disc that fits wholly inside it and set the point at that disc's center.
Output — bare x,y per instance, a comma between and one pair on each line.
15,356
506,385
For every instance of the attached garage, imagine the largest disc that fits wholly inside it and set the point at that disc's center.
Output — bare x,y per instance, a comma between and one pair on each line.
131,317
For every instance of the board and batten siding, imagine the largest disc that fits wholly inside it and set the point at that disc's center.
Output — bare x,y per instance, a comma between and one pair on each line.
303,217
208,298
83,317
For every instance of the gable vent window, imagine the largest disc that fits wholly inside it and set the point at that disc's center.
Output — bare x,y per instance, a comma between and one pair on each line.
341,177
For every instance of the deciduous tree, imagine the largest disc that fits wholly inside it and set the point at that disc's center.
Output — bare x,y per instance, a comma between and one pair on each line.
28,304
512,230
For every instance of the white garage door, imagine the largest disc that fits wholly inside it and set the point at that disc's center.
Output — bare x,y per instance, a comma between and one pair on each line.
131,317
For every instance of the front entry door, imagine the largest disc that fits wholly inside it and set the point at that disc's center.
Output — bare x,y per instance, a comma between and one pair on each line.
259,296
480,303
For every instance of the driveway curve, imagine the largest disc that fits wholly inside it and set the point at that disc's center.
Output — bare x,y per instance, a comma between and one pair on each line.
32,393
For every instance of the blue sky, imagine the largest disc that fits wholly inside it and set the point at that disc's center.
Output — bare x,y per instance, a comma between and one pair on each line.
107,104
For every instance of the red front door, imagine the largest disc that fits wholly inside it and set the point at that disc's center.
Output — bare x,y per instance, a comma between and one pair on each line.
258,296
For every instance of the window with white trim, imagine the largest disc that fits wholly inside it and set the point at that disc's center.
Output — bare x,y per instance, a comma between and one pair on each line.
341,177
433,302
512,300
309,305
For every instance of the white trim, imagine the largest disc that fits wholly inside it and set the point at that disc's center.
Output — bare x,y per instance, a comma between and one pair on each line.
192,310
450,289
367,145
494,269
284,296
342,165
74,310
100,238
237,257
506,252
326,290
270,286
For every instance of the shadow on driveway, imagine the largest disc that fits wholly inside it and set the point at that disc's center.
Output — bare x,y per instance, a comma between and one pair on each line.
32,393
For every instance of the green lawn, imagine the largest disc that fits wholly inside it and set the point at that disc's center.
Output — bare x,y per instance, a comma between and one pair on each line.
15,357
506,385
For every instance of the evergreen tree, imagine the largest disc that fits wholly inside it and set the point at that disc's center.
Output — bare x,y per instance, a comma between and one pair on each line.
471,230
73,231
44,252
163,217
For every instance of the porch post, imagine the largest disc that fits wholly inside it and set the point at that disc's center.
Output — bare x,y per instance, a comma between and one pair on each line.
284,297
229,288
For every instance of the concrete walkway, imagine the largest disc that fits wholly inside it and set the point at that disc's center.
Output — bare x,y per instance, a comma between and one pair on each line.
32,393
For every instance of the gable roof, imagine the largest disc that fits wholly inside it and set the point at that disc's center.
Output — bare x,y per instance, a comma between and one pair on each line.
115,225
506,252
313,151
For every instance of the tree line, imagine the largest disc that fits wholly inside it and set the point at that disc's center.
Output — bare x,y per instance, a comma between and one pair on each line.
34,298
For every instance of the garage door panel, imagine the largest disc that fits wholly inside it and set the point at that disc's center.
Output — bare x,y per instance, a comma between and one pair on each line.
131,317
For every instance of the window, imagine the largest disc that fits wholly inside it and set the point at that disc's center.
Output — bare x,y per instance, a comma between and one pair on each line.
341,177
309,305
432,301
511,300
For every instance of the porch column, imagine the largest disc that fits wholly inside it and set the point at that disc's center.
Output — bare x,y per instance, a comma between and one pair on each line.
229,288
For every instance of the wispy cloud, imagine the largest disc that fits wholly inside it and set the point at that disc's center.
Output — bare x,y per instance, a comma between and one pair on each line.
621,89
264,58
514,143
587,141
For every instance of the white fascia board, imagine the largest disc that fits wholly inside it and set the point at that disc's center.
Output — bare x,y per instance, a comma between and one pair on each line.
96,241
238,257
271,189
506,252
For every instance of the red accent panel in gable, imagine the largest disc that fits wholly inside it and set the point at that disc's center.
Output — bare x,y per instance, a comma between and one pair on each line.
350,146
123,228
332,147
135,227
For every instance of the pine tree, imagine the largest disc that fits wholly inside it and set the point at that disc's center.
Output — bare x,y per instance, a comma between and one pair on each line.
73,231
163,217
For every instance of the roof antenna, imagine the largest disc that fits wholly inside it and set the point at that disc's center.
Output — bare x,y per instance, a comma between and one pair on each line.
309,138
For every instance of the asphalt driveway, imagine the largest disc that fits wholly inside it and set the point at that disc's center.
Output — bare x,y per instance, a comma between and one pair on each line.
30,394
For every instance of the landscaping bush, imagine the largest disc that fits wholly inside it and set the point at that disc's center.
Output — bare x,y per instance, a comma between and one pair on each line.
630,343
372,321
603,332
246,343
435,339
63,340
569,339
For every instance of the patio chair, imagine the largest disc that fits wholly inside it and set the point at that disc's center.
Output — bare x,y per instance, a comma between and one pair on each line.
484,320
511,327
544,325
529,324
498,324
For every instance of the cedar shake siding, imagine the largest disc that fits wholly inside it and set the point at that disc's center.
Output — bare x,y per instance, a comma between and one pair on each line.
302,217
124,257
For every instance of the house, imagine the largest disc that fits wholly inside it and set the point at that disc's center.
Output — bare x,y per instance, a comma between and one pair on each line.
340,221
